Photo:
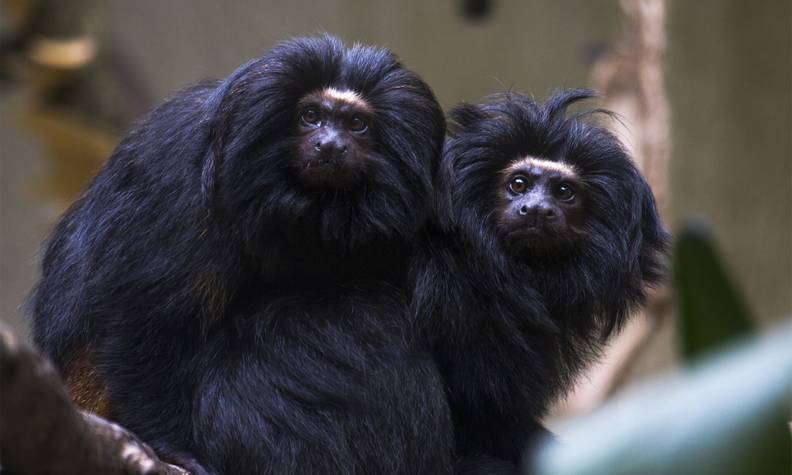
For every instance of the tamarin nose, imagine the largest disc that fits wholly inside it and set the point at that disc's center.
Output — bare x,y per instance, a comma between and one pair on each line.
331,148
537,214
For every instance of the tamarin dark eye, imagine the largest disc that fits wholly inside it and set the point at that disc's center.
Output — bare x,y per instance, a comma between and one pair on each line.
518,184
310,116
564,192
358,125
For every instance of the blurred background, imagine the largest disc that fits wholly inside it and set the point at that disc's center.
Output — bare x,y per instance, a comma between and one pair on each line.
704,89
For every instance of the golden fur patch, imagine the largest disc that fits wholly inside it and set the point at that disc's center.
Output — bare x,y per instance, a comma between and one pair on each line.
85,387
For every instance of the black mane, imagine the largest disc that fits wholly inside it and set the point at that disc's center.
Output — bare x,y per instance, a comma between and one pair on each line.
510,334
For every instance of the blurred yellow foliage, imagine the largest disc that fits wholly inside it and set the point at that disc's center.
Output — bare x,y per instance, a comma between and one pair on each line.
74,152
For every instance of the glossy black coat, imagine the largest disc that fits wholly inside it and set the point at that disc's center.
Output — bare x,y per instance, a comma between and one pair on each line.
242,322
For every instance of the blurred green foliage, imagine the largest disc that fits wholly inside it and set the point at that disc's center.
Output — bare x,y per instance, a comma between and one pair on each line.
728,415
710,309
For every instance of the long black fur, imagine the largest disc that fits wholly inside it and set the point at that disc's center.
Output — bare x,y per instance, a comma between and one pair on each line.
242,322
509,333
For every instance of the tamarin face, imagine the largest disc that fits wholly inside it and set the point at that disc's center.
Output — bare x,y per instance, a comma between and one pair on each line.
532,184
541,205
335,131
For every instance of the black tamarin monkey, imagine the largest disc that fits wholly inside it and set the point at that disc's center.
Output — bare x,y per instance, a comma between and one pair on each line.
231,285
545,239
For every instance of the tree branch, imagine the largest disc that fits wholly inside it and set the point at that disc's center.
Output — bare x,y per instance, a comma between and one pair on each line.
41,431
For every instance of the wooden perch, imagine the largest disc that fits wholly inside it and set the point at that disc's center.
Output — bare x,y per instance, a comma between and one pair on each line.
631,77
41,431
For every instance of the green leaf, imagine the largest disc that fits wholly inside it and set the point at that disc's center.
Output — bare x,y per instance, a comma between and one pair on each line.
726,416
711,311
